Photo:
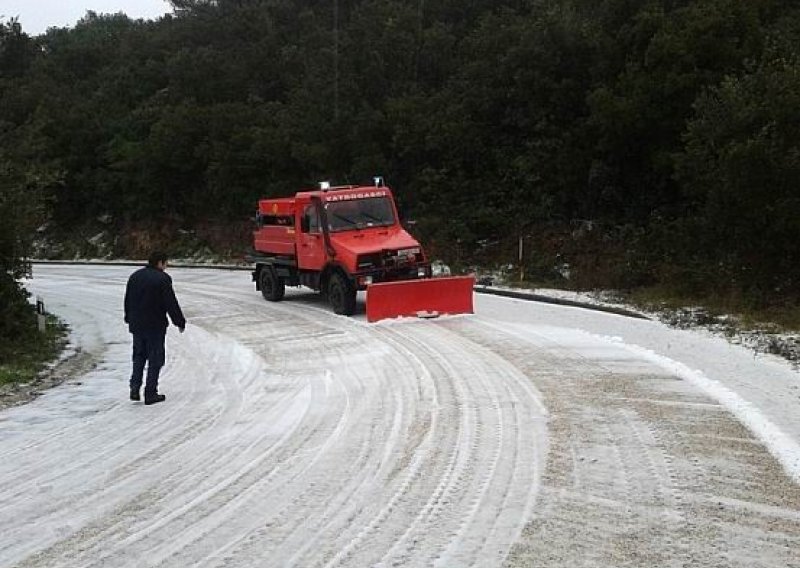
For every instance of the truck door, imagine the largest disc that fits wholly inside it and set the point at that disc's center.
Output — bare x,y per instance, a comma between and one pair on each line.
311,245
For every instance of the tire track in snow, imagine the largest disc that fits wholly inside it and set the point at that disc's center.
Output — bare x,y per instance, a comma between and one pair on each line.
89,437
466,490
172,412
630,481
349,323
157,470
392,463
418,443
293,457
350,487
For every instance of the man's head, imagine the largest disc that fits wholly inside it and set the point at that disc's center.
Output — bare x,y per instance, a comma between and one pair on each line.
157,260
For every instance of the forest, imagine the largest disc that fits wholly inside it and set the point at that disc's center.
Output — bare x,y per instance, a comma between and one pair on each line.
639,143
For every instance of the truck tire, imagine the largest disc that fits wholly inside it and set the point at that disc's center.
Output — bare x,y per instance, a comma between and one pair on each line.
341,295
272,287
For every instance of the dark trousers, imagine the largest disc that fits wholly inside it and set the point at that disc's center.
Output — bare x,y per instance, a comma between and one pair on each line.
148,347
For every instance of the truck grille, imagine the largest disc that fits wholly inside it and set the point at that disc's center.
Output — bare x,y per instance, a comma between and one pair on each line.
390,266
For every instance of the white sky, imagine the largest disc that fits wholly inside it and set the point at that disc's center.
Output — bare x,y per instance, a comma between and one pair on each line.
38,15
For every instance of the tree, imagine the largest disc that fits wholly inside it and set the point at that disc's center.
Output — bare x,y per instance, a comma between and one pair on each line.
22,210
16,49
741,169
666,53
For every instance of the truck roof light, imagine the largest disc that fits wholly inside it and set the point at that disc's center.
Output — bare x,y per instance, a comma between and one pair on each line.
378,181
324,185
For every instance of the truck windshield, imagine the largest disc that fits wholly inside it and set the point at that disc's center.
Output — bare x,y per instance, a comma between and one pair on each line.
359,214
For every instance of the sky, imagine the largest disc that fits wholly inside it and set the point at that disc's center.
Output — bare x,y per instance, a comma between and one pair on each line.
38,15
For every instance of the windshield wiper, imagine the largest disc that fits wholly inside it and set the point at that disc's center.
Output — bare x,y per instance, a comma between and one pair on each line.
379,220
347,220
373,217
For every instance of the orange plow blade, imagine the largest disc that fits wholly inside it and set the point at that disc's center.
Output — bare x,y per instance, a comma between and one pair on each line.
420,298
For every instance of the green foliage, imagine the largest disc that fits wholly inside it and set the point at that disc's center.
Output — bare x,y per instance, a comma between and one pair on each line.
22,350
670,53
16,50
741,168
21,211
24,356
668,124
16,317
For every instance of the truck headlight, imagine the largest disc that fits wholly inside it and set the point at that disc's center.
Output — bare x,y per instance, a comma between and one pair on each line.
421,272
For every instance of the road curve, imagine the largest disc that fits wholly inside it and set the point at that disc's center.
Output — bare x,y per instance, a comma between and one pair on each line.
294,437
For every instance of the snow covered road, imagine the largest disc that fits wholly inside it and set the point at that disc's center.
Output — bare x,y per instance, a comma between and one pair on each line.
526,435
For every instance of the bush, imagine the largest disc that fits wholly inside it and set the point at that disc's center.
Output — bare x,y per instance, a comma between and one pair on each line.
17,318
23,349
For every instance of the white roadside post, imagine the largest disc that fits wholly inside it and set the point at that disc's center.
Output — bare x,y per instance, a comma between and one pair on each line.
40,314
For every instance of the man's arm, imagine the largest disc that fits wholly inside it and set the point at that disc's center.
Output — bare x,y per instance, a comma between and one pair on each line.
172,306
127,302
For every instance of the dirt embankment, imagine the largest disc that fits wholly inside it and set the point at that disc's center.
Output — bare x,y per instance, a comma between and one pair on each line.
72,363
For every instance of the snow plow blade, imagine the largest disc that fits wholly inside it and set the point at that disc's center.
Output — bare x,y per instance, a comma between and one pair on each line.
420,298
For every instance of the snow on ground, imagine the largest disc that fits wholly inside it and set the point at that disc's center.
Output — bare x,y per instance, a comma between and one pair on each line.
765,338
525,435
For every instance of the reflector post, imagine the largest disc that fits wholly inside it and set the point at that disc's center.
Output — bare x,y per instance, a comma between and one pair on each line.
452,295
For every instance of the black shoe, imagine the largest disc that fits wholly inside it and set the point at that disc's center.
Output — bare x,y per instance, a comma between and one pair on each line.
135,394
154,399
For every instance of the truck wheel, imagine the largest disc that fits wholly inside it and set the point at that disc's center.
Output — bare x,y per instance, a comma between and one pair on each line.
272,287
342,295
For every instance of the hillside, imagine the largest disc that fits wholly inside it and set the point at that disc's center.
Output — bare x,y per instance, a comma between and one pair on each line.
640,143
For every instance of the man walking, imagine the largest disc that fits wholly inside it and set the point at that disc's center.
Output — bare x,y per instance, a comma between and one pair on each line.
149,297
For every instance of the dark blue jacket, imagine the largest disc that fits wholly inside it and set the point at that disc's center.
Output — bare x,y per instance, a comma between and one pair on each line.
149,297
